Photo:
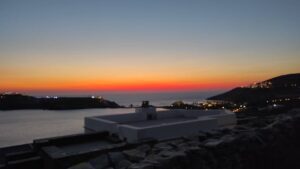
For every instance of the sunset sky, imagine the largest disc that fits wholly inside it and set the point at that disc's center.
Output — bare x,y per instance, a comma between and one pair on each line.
137,45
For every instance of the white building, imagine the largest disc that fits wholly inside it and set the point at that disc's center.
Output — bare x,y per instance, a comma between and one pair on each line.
147,123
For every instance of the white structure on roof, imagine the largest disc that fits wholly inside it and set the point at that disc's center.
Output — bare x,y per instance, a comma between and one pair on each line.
147,123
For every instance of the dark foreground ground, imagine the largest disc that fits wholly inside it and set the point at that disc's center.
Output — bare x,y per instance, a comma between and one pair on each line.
272,141
259,141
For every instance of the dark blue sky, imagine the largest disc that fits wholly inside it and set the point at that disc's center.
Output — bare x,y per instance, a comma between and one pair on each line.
207,40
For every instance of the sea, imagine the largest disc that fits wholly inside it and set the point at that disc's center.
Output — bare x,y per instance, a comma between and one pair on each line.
23,126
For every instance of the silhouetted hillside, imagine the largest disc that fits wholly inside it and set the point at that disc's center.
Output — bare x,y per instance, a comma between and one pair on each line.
18,101
284,87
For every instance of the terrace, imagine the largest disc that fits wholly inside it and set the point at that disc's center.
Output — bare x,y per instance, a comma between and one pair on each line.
147,123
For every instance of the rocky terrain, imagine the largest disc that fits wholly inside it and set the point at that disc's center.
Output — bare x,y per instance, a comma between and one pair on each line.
271,141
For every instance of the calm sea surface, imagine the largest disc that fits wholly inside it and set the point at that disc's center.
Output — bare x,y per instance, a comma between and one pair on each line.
22,126
135,98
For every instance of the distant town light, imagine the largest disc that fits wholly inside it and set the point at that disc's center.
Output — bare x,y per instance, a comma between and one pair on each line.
55,97
93,97
47,97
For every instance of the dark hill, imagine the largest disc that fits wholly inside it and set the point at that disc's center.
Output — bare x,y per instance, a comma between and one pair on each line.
19,101
281,87
284,81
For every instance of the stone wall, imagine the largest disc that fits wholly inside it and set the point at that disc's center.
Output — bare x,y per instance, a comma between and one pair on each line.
275,145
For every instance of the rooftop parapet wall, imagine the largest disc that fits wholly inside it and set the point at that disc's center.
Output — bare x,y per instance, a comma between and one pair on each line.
145,109
124,118
99,125
197,113
189,113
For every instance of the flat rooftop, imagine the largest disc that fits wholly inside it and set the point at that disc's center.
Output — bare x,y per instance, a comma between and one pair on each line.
149,123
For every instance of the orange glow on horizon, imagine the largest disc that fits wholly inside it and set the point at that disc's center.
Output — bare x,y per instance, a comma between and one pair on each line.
126,78
129,86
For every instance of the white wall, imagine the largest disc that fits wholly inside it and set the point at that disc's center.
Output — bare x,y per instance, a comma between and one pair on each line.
173,130
97,124
129,132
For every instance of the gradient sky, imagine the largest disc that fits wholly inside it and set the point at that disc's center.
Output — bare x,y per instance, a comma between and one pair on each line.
146,44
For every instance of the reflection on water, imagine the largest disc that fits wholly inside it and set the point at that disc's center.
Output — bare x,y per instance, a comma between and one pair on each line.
22,126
